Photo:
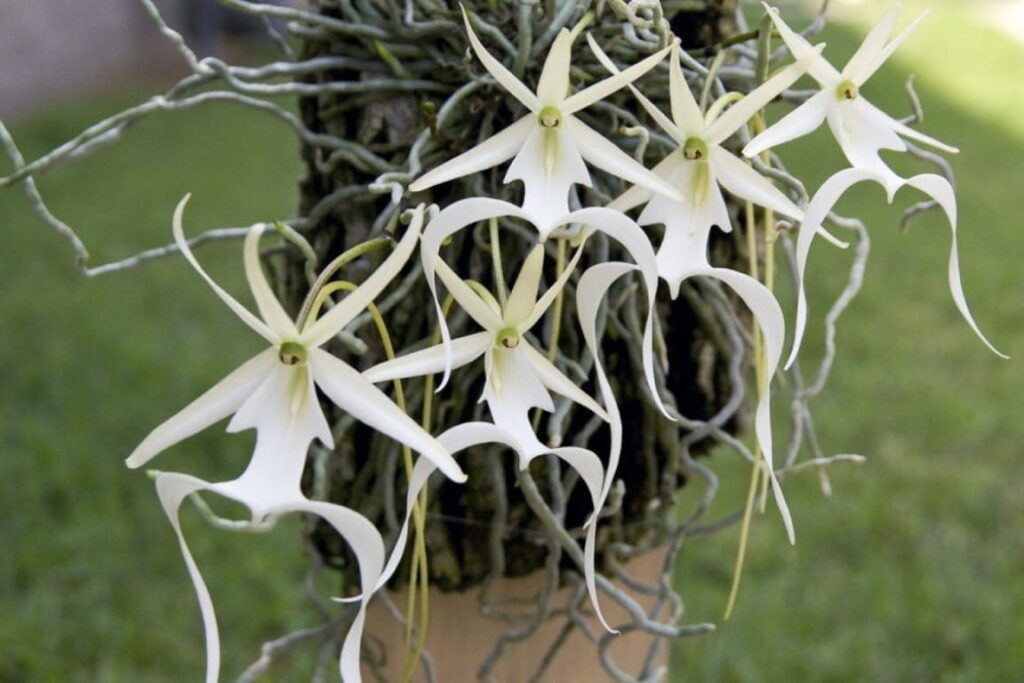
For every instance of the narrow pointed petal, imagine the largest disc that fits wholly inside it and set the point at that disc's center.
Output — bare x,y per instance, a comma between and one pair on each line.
744,182
449,220
601,153
502,75
357,396
464,350
631,198
939,189
270,308
549,295
241,311
496,149
803,120
553,86
736,116
685,110
557,382
870,68
768,313
871,47
216,404
602,89
665,122
819,68
332,322
523,296
470,301
914,134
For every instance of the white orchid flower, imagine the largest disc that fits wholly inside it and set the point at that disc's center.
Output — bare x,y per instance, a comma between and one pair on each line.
933,185
274,393
549,144
860,128
699,168
518,379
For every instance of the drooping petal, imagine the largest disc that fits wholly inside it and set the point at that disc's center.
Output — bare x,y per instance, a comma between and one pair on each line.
557,382
803,120
738,114
449,220
553,86
873,65
872,45
332,322
939,189
496,149
603,154
638,194
216,404
471,302
357,396
241,311
428,361
513,389
602,89
549,164
270,308
768,313
664,121
744,182
523,297
819,68
502,75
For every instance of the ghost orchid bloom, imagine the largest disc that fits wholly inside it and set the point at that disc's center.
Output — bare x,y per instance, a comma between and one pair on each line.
860,128
274,393
518,377
549,144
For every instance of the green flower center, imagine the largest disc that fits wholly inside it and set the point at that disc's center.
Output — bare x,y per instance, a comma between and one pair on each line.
508,337
550,117
847,90
292,353
695,149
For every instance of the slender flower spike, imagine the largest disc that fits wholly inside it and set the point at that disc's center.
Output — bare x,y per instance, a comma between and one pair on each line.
699,168
518,377
274,393
860,128
549,144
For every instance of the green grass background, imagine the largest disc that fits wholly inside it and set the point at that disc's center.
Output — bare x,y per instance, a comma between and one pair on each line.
911,572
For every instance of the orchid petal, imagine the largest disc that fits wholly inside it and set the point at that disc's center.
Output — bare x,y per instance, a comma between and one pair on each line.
797,123
216,404
819,68
861,131
513,389
685,110
557,382
912,133
471,302
627,233
502,75
449,220
601,153
549,164
494,150
939,189
738,114
871,47
602,89
428,361
744,182
638,194
241,311
332,322
549,295
665,122
270,308
523,297
553,86
357,396
870,68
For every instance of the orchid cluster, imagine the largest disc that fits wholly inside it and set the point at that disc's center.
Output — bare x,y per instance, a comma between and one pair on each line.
551,150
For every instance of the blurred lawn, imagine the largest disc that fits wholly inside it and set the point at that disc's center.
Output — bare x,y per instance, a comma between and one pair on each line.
910,573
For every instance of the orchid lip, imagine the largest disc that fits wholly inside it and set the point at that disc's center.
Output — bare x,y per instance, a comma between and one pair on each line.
292,353
695,149
550,117
847,90
508,337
